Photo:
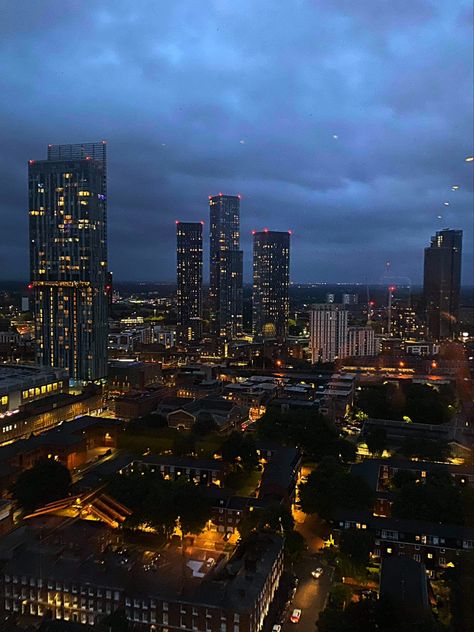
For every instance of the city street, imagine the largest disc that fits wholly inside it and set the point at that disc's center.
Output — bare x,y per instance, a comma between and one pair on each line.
310,595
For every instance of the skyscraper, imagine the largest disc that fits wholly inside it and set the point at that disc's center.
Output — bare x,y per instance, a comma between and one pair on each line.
226,266
189,273
271,280
442,283
328,332
68,258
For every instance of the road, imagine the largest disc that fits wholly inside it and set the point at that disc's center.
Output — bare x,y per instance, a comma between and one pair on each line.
310,595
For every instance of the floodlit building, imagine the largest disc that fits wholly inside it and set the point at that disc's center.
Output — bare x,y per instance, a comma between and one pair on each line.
361,341
189,277
328,332
68,258
226,266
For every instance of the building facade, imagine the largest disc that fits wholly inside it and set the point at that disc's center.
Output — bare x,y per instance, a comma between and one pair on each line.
361,341
328,332
68,259
226,266
442,283
271,281
189,277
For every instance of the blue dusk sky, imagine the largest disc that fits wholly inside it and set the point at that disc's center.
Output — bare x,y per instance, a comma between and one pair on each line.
346,121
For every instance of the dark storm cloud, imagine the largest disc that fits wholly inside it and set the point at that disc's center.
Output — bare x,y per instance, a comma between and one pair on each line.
345,121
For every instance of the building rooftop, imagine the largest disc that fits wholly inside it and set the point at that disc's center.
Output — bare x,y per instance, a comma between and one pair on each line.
74,553
19,376
403,581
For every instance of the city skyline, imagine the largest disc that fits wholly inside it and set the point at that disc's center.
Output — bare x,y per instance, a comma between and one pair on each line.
360,162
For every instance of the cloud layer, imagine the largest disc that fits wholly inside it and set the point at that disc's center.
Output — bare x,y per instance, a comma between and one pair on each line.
347,122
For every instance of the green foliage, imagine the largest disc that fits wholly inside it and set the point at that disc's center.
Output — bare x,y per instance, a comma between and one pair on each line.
437,498
420,402
204,426
311,432
461,581
115,622
357,545
427,449
184,444
372,615
157,503
377,440
45,482
275,518
330,486
240,448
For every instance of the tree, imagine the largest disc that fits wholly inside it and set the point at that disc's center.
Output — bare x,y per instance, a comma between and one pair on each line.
240,448
275,518
184,443
45,482
377,440
204,426
115,622
436,499
330,486
427,449
157,503
357,545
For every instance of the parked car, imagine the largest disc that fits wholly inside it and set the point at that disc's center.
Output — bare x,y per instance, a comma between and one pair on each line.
295,615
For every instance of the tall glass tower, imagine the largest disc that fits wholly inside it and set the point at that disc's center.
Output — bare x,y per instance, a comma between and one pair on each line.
442,283
271,280
189,277
68,258
226,266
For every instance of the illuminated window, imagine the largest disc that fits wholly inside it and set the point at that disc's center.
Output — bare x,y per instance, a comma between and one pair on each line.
43,390
4,400
25,394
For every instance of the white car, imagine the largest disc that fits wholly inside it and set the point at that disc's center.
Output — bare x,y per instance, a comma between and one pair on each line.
317,573
295,615
276,628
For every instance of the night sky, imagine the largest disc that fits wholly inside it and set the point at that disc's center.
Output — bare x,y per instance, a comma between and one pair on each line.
347,121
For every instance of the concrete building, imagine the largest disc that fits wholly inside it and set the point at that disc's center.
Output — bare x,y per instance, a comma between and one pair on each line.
442,283
328,332
232,593
21,385
271,281
226,266
68,258
361,341
189,281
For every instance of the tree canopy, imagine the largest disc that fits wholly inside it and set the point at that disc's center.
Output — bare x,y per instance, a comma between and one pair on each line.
420,402
436,498
377,440
46,481
157,503
313,433
240,448
331,486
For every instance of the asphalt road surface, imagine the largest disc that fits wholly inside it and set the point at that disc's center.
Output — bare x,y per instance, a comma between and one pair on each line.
310,596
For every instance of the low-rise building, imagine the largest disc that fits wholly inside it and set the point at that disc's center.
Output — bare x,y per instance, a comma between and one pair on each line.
80,576
225,414
23,384
129,375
